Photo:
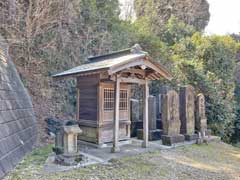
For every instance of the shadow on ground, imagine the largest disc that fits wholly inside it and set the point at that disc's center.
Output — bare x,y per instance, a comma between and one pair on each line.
214,161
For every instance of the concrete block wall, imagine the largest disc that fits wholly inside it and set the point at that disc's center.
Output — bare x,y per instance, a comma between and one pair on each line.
18,131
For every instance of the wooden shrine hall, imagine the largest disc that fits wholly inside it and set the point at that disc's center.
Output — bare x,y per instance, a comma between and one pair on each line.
103,93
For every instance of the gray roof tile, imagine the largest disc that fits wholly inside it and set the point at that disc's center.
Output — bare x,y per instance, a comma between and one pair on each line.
102,64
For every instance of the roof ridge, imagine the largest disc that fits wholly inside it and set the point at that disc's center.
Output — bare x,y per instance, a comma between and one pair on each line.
136,49
108,55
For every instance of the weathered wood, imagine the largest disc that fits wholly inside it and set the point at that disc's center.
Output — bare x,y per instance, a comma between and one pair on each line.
115,147
84,74
106,133
85,122
89,134
109,115
154,76
134,71
78,104
130,80
139,62
145,115
125,65
88,101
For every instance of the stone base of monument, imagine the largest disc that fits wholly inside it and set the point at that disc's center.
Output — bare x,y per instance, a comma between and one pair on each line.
191,137
170,140
135,125
159,124
68,159
153,134
51,166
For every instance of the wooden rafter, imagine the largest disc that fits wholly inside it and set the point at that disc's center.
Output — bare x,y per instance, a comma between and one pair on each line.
134,71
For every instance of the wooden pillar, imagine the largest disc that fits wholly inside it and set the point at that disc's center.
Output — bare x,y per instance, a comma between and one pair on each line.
145,115
78,104
115,147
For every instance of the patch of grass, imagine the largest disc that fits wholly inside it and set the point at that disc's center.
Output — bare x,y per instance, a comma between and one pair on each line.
212,161
32,163
37,157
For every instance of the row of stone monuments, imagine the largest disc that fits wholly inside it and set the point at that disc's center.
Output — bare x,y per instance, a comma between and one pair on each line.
180,117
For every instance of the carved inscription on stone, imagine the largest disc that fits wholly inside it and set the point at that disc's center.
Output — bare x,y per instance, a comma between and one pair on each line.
201,120
187,110
170,116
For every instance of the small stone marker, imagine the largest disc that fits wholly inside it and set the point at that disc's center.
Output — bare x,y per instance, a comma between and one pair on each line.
187,116
159,111
152,115
201,119
154,133
170,118
59,140
159,106
136,123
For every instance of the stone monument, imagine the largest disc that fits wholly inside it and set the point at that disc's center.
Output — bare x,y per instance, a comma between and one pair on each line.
170,118
136,123
159,111
187,116
154,133
200,116
162,90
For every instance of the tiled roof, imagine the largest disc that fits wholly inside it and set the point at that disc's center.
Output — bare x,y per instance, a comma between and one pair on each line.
104,62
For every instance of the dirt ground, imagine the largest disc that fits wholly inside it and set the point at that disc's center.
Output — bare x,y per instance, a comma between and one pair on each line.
216,161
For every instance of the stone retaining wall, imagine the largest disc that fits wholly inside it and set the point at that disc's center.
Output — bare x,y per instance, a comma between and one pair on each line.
17,120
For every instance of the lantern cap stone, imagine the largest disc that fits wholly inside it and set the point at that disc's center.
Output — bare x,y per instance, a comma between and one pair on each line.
74,129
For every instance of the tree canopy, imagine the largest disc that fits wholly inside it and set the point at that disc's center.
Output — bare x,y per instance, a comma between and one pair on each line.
47,36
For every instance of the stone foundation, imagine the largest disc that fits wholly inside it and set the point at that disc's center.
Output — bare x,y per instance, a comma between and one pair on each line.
68,159
190,137
170,140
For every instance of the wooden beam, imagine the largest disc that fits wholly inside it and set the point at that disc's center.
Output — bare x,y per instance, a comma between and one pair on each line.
78,104
145,115
132,80
160,70
154,76
150,76
135,71
126,65
115,147
128,80
138,62
75,75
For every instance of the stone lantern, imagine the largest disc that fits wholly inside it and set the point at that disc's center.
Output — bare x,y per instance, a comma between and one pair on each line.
70,139
66,148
